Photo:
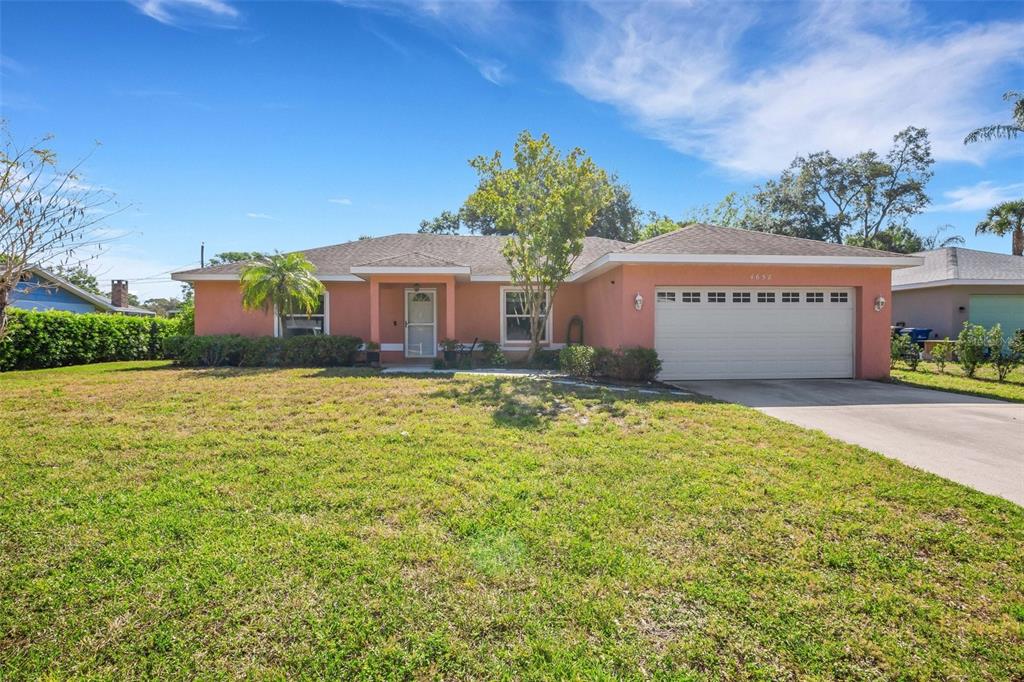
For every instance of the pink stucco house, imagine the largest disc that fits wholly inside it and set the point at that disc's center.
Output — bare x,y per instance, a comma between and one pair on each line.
715,302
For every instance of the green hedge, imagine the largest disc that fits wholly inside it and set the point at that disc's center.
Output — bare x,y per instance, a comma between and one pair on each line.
633,363
36,340
262,351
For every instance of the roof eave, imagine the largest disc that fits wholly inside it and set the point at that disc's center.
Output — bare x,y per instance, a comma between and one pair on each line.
611,260
955,282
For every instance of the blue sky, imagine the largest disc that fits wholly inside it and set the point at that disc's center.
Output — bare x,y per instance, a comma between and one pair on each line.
262,126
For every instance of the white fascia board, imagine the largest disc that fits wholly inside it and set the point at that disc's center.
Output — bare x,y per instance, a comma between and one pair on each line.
370,270
960,283
613,259
340,278
490,278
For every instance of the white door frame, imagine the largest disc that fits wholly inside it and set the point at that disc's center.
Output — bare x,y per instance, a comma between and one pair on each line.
433,324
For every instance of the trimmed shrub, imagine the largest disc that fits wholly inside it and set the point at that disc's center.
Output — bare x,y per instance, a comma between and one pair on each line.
903,347
971,345
942,353
36,340
633,363
545,359
1002,356
577,360
1017,344
638,364
491,354
262,351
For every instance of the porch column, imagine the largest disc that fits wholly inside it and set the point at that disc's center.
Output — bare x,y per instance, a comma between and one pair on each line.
374,310
449,308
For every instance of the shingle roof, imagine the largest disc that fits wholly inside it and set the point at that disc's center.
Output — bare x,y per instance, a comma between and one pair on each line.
482,254
410,260
956,263
713,240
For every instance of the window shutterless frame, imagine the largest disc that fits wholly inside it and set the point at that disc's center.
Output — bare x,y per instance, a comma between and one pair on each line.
278,332
503,322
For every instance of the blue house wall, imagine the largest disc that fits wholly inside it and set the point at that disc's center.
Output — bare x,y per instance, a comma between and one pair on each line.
37,294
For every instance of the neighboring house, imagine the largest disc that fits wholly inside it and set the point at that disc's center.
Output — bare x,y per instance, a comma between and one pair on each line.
41,289
956,285
715,302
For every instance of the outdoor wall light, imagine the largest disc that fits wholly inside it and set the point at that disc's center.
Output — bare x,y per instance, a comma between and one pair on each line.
638,302
880,304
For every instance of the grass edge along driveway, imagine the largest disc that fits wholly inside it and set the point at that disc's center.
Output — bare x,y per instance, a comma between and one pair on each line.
290,523
983,384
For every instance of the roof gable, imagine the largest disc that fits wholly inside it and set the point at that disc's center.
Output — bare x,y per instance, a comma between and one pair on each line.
700,238
954,264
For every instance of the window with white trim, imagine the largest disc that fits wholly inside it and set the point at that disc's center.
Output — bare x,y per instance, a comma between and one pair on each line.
741,297
766,297
839,297
690,296
716,297
790,296
666,297
301,324
814,297
516,318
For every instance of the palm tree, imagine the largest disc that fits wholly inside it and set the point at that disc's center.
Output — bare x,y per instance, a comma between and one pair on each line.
1007,217
284,282
1003,130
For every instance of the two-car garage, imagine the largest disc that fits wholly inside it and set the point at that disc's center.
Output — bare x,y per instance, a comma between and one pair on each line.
755,333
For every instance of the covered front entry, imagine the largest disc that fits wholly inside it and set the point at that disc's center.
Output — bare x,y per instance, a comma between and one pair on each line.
755,333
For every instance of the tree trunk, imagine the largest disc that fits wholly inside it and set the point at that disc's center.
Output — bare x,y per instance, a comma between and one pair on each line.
1018,241
4,298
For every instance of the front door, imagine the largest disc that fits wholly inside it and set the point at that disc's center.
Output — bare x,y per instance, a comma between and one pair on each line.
420,323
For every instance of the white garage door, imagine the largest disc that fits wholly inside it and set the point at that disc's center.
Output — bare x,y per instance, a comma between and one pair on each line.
754,333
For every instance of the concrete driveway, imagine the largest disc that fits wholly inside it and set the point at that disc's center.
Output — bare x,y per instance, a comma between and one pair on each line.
974,441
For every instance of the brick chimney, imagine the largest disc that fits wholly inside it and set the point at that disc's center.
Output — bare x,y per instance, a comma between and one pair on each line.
119,293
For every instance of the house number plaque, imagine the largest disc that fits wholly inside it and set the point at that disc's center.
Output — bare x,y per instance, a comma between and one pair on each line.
761,277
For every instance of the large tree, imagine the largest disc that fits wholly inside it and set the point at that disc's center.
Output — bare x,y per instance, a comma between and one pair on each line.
619,219
1004,131
48,216
1006,218
860,197
235,257
80,276
545,202
284,282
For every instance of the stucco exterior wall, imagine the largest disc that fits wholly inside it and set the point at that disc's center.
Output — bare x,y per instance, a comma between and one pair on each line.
636,327
603,309
940,307
219,311
605,302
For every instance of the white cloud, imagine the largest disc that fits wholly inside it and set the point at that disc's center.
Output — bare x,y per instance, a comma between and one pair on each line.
479,17
179,12
492,70
260,216
344,201
846,77
979,197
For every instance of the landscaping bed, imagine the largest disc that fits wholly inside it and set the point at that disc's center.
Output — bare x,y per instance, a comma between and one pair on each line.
984,383
339,523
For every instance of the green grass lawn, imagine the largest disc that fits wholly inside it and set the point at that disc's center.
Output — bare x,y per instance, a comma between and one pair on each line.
338,524
984,383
